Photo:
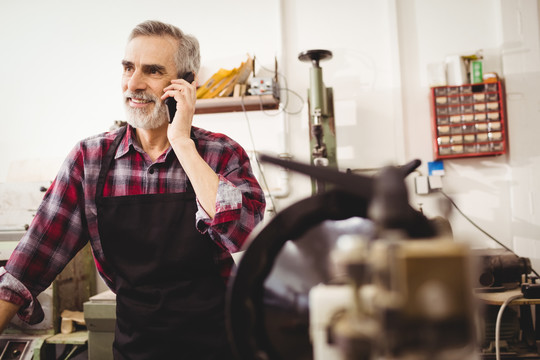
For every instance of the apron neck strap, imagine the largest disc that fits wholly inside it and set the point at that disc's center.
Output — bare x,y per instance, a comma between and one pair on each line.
106,162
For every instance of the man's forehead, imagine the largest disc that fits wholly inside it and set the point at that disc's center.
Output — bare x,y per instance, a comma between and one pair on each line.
151,50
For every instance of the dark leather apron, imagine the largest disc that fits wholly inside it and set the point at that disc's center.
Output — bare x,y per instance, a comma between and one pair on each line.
170,297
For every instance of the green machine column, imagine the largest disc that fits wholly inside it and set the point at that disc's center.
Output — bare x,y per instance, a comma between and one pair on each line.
321,116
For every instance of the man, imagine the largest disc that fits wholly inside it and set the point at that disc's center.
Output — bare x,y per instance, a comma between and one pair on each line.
163,206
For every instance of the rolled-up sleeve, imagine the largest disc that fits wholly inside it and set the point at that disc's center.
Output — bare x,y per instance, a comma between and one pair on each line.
240,203
13,291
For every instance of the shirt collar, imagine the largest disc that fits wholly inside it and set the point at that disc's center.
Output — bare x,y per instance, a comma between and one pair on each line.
130,142
126,143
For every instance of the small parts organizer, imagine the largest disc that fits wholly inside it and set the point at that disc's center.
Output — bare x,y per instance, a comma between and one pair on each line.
468,120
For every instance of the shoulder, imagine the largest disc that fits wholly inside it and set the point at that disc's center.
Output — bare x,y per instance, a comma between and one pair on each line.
103,138
213,141
89,151
218,149
211,137
96,144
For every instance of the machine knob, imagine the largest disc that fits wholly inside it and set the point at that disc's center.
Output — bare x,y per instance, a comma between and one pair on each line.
314,56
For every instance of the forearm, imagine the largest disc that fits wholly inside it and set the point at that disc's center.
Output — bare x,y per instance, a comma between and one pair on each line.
7,311
203,179
239,208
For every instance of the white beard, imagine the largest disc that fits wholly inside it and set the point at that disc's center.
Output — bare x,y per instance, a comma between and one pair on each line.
143,118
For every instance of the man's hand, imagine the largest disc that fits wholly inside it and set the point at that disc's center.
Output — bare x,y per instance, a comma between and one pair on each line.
204,180
185,95
7,311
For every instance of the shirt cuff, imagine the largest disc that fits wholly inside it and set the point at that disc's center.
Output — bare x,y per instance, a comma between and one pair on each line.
228,202
13,291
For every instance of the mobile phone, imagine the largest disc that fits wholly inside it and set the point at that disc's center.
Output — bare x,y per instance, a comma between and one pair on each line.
171,102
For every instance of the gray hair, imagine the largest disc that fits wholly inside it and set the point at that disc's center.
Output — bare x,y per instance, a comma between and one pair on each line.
188,57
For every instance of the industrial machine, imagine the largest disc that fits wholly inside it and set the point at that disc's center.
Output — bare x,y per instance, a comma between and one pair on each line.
352,273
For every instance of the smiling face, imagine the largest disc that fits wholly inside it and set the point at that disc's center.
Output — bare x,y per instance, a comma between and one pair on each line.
148,68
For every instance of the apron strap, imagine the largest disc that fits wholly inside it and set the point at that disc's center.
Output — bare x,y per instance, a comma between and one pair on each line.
106,163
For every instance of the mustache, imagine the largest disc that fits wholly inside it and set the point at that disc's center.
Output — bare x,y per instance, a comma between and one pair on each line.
128,94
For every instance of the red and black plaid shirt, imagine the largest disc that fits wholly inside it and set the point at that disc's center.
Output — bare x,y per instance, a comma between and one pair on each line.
67,218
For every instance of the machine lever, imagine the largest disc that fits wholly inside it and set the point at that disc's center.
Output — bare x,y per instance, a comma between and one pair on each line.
357,184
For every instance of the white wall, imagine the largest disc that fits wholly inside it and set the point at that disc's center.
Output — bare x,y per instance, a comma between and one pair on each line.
60,64
363,73
382,51
520,52
430,31
499,193
60,75
60,82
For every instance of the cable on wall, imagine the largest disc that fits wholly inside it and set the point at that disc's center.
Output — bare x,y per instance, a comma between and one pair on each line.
508,300
479,228
282,110
286,100
248,123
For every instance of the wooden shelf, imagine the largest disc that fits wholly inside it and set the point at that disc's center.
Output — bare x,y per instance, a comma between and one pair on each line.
231,104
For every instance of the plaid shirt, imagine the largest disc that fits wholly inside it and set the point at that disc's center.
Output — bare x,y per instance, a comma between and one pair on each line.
67,218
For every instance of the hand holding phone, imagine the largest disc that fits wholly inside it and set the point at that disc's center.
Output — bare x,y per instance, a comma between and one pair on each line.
171,102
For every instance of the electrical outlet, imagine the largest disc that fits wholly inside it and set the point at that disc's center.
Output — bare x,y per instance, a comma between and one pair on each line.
435,182
421,185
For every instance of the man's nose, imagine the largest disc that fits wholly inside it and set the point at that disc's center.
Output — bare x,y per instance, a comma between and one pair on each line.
136,81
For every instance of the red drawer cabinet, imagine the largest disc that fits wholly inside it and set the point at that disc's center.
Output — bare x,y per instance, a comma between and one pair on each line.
468,120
